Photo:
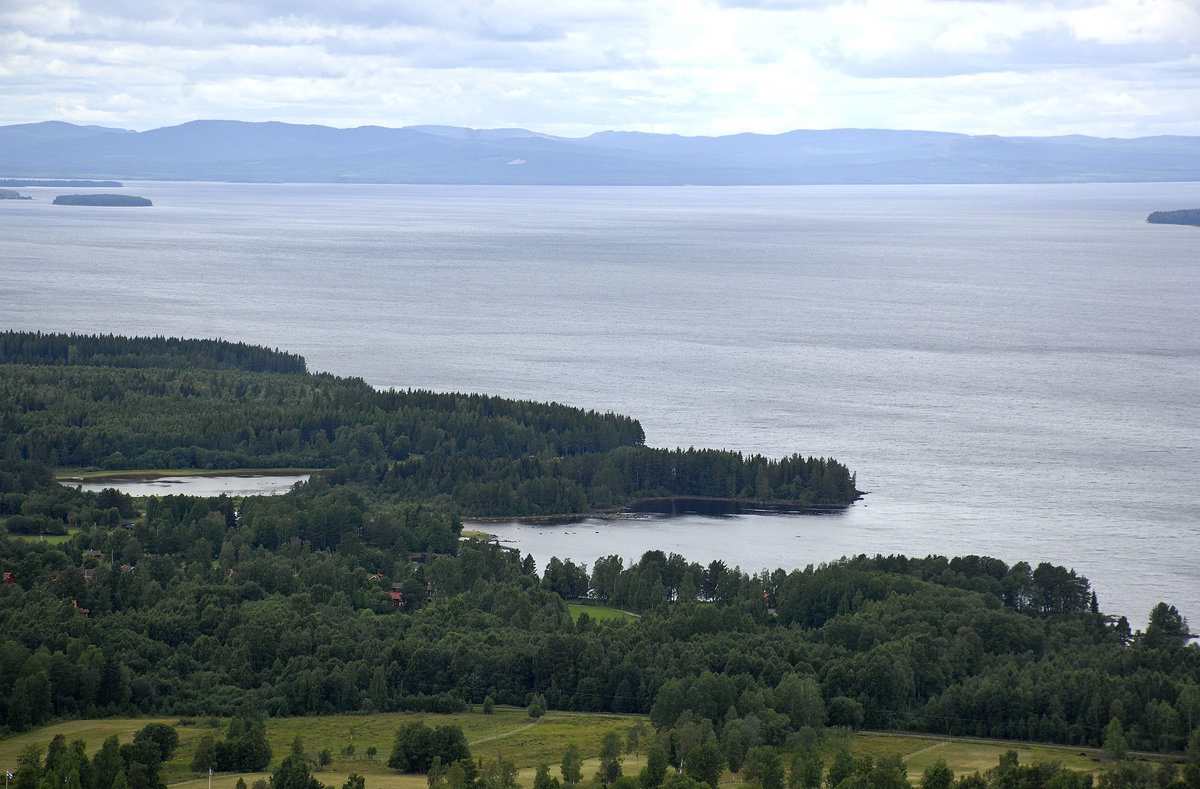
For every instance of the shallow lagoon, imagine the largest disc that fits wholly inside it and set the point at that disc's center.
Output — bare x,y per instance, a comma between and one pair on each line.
227,484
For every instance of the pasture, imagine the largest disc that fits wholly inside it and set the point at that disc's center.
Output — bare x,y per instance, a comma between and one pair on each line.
508,732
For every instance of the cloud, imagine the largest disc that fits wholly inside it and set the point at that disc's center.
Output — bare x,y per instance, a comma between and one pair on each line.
691,66
1035,51
937,38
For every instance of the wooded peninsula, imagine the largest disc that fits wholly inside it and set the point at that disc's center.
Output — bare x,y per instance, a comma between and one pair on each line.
356,593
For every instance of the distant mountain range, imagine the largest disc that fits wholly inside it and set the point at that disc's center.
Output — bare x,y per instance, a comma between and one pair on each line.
274,152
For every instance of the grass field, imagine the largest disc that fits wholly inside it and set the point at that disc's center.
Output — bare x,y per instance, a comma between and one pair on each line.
968,756
508,732
475,534
599,612
52,539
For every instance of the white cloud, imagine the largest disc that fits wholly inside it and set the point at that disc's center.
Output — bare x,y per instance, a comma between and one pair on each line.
1105,67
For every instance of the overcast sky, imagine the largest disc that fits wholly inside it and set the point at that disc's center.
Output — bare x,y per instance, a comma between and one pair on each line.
1114,68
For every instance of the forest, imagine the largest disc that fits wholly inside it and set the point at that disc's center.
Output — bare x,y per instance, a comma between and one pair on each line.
356,592
156,403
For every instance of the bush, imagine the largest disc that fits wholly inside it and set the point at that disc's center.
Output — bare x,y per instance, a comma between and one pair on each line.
34,524
417,745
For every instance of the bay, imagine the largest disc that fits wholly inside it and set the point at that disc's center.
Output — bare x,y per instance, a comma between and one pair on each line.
1010,370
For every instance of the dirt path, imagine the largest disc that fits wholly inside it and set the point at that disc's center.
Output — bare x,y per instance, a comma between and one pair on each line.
926,748
491,737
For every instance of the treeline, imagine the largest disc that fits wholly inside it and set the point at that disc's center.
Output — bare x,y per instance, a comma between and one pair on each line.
133,765
116,351
115,418
579,483
966,646
32,502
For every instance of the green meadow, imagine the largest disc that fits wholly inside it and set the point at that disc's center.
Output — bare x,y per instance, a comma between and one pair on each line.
507,732
598,613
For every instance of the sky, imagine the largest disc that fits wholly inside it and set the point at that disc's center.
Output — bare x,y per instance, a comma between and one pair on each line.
1107,68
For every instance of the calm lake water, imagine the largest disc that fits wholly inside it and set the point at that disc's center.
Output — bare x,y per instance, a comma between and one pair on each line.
1010,370
229,485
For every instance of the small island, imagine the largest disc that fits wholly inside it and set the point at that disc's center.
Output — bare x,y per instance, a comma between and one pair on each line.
13,194
102,199
1187,216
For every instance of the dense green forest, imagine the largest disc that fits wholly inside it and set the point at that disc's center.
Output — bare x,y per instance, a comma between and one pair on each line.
191,612
354,592
287,600
115,351
156,403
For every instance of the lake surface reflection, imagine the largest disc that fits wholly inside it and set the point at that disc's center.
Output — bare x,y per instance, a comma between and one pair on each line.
751,541
230,485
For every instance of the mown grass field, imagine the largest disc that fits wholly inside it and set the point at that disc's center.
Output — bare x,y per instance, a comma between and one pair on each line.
52,539
598,613
965,756
508,732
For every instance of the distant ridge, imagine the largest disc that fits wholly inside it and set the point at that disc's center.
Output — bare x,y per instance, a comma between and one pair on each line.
213,150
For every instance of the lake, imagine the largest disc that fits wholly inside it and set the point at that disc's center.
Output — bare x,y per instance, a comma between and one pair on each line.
1010,370
233,485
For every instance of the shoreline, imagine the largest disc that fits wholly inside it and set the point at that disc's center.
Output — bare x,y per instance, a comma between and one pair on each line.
669,506
150,474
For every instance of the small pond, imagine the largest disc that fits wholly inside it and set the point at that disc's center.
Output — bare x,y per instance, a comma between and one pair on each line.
228,484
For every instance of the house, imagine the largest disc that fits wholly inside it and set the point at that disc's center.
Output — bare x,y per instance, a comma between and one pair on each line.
9,578
88,574
127,568
93,554
397,597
